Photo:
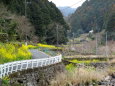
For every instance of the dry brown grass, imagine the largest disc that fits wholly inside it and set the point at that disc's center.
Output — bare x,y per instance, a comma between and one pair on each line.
90,48
78,76
111,45
112,61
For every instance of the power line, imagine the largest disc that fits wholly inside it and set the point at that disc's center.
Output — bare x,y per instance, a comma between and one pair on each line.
72,5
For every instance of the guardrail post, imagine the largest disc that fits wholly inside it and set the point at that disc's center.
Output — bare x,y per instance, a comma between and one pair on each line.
8,69
27,65
4,70
1,71
16,66
42,63
61,58
32,64
21,64
46,62
52,61
11,68
37,64
56,60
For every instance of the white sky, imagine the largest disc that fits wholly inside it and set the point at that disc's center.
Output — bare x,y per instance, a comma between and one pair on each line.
68,3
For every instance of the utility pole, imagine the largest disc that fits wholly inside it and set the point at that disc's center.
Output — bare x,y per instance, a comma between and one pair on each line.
96,44
73,46
73,37
26,3
57,35
25,17
96,37
25,7
106,45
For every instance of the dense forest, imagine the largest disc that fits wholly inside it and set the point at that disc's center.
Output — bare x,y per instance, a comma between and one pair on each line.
94,15
43,21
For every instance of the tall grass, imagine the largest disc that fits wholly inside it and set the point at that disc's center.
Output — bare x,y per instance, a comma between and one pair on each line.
112,61
78,76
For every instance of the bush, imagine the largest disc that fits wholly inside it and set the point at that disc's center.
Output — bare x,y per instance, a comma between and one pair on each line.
10,52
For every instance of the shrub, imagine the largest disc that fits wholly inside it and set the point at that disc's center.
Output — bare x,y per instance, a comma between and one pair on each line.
10,52
70,67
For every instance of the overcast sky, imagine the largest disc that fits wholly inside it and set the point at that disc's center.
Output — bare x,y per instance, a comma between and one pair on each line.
69,3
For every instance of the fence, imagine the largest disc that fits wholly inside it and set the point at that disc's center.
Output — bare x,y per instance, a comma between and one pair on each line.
9,68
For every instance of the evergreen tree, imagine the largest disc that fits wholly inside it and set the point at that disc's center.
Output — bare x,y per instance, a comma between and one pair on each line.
41,14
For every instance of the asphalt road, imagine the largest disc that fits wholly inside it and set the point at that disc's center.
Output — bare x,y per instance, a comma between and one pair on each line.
36,54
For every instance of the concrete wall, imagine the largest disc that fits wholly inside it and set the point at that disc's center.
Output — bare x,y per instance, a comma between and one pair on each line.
36,77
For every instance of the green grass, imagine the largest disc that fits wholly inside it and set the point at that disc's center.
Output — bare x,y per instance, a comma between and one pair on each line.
70,67
85,61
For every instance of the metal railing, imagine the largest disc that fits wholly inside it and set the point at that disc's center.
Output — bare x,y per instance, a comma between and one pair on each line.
9,68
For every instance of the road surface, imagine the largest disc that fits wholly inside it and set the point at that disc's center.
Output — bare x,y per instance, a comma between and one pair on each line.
36,54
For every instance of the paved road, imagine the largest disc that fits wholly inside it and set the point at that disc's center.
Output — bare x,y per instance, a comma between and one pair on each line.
38,54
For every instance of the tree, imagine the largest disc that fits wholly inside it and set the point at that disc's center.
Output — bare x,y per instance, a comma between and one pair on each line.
41,14
93,14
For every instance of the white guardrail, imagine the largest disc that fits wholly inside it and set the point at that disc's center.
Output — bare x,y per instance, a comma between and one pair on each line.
9,68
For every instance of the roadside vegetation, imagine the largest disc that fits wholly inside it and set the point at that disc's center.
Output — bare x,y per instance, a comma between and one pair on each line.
18,51
75,76
10,52
86,61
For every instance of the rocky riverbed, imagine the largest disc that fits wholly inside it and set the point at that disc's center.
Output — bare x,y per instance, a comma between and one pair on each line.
108,81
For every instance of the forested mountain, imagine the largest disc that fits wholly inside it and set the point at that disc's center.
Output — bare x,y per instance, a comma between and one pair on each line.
66,11
94,15
45,19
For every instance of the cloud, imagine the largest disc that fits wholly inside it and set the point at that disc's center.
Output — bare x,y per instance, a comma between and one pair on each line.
70,3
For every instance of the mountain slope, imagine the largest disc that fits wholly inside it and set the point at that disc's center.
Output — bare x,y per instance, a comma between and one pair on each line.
44,16
93,14
13,26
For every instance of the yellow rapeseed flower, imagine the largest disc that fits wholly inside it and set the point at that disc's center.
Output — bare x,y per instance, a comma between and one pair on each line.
10,52
48,46
31,47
